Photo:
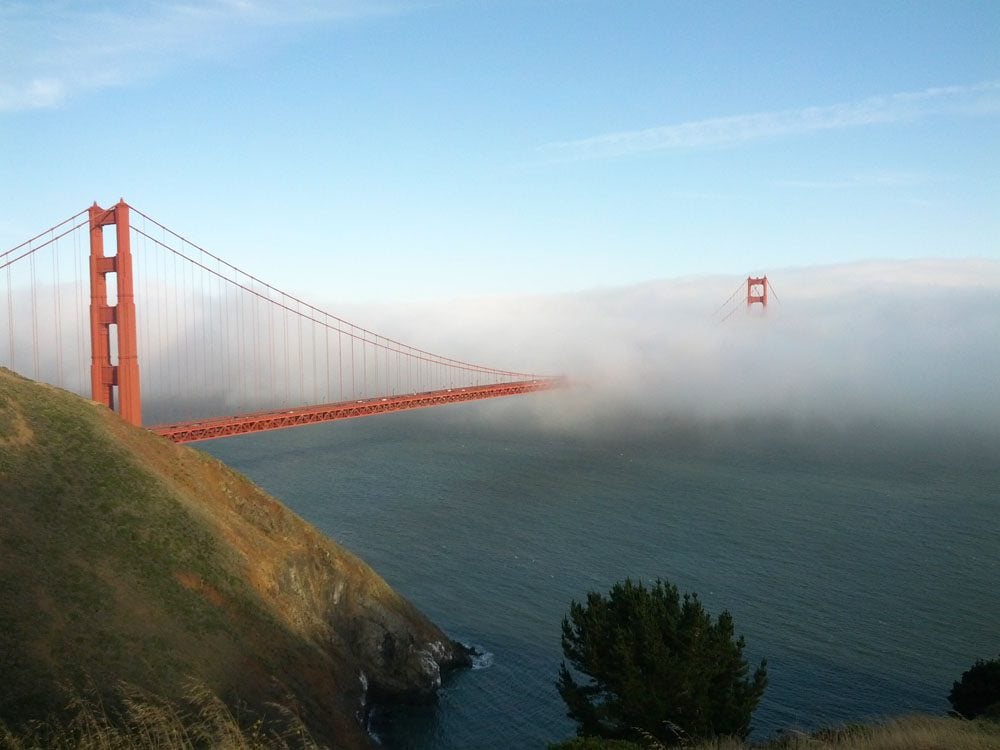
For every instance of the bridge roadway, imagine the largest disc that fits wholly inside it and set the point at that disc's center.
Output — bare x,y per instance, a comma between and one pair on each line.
218,427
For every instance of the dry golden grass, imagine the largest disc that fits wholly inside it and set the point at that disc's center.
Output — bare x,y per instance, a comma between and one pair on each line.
127,558
904,733
147,722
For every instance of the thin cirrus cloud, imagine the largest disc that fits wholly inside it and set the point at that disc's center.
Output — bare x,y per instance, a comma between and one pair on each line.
871,179
974,99
57,49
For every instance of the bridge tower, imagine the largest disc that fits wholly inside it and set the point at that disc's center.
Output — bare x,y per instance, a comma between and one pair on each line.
105,375
757,291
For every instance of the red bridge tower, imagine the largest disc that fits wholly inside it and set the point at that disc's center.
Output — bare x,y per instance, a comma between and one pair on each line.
105,376
757,291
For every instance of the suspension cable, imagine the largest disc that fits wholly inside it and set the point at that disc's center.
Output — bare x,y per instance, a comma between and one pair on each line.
365,334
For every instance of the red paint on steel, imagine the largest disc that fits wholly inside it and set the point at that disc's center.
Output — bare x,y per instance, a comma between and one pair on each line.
102,375
105,376
757,290
130,402
208,429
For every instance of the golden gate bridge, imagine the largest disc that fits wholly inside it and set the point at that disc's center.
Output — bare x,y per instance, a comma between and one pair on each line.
223,353
758,289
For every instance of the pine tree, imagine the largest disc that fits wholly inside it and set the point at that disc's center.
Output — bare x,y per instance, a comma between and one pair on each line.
655,664
978,692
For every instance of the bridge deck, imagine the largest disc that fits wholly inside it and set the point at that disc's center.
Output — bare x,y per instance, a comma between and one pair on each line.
217,427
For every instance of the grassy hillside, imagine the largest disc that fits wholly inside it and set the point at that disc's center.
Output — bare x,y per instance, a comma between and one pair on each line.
126,558
906,733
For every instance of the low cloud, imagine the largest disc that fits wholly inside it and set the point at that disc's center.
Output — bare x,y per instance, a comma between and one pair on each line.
908,345
899,343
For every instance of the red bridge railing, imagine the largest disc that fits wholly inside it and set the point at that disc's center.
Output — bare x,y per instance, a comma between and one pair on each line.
208,429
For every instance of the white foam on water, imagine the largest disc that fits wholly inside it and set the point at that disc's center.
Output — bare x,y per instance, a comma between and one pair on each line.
481,659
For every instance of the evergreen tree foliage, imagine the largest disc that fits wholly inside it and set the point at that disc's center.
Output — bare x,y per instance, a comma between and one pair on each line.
655,664
978,692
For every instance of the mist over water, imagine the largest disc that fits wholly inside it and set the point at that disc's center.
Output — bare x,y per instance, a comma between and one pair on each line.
861,564
907,343
827,471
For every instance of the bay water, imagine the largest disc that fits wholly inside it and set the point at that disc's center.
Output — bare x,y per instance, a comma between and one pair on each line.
861,561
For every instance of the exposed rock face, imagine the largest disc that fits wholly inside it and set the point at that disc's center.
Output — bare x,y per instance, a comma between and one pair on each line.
126,558
335,599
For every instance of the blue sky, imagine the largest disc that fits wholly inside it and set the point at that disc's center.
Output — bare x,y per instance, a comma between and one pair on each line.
391,151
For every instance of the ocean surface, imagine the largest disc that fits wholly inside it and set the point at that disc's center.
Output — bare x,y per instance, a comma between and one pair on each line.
863,563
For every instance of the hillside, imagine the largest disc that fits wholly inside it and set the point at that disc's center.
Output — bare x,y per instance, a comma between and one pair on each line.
126,558
902,733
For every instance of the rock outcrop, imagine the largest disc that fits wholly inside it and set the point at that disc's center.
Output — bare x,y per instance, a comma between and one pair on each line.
125,558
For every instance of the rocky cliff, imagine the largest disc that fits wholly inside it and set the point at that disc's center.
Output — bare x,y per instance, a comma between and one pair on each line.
125,558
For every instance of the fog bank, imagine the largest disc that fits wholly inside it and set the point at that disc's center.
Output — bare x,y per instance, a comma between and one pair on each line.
906,343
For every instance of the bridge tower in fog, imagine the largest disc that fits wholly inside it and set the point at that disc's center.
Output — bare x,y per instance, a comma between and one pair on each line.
757,291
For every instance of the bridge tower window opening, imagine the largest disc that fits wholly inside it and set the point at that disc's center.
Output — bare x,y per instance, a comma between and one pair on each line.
114,357
757,291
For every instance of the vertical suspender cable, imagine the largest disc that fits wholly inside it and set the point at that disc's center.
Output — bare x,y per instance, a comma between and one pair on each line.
34,317
58,313
272,395
143,304
227,335
179,348
193,335
201,330
314,395
287,373
240,361
11,324
255,302
220,337
302,369
77,254
245,323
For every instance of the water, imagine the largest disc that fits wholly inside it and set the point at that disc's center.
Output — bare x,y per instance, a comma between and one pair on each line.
863,564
